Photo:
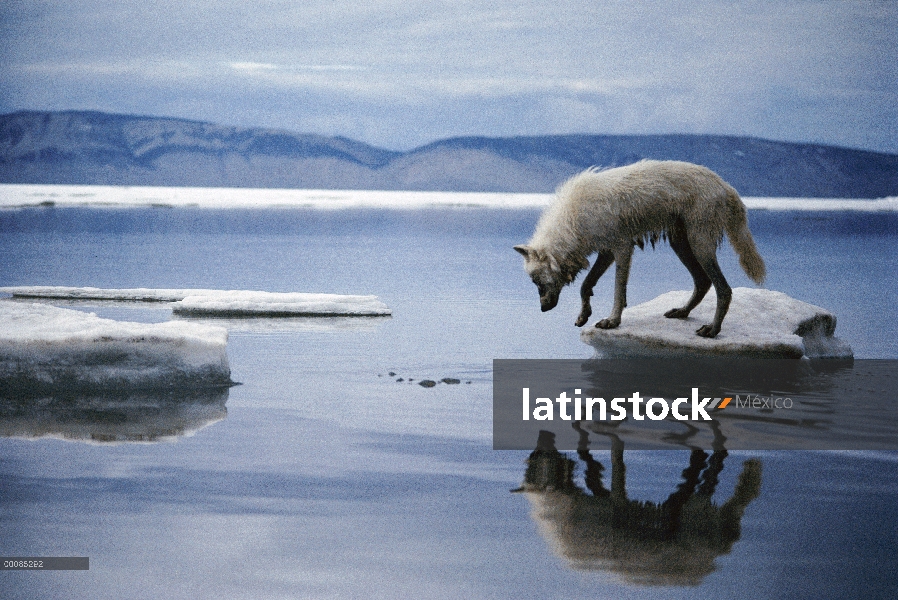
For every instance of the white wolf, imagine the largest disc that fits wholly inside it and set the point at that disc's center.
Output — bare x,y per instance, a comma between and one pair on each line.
610,211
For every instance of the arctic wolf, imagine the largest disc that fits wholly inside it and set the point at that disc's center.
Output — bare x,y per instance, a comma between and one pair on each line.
611,211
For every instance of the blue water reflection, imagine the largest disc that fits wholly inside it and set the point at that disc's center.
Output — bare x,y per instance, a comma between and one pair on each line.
331,478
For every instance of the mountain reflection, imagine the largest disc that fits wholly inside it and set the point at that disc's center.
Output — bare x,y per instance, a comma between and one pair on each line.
674,542
126,416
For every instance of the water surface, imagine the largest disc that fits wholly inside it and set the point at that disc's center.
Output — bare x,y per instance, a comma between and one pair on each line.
328,477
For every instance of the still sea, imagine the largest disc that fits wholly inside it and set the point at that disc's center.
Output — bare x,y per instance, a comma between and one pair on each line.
329,472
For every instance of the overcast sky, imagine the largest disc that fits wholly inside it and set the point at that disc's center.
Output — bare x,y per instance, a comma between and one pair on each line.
401,73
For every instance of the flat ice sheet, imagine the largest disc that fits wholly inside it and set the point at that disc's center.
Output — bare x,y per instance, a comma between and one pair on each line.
761,323
286,304
220,302
49,349
30,195
92,293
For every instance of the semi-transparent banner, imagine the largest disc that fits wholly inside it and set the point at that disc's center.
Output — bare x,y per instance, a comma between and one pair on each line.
737,404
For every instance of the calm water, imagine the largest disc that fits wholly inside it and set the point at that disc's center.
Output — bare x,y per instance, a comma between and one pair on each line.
323,476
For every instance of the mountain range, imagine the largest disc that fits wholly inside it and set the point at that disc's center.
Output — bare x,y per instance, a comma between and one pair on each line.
87,147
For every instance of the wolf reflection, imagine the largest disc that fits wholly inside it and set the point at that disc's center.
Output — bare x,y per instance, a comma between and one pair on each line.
671,543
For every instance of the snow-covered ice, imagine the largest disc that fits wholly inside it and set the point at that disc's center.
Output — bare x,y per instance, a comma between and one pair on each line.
46,349
889,204
220,302
280,304
92,293
760,323
104,196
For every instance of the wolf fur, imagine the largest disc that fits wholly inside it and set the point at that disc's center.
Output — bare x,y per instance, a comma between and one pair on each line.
610,211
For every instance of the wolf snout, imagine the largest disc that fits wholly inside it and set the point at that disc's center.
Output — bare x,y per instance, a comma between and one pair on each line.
547,304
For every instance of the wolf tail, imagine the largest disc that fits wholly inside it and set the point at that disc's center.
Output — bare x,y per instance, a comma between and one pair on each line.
742,241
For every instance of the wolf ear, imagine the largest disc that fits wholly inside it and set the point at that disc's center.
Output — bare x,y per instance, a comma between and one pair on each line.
524,251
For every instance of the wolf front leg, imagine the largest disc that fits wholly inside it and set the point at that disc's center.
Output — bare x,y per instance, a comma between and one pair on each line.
603,261
622,257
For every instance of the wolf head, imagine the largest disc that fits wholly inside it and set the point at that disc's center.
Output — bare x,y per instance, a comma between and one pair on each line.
545,273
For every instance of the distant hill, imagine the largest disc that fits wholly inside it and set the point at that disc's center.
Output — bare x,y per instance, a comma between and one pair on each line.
79,147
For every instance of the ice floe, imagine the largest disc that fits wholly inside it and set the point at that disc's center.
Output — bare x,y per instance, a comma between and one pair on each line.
227,303
46,349
279,304
760,323
104,196
92,293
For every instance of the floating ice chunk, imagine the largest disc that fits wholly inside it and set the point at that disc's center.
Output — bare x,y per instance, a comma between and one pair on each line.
23,195
760,323
107,196
92,293
220,302
45,349
823,204
280,304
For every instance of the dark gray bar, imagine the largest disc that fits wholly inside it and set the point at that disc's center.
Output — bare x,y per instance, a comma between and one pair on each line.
773,404
44,563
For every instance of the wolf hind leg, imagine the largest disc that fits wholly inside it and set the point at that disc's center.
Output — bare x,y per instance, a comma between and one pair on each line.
603,261
622,256
680,245
724,294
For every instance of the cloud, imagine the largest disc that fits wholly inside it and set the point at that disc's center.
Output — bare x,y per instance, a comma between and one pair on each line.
253,67
426,69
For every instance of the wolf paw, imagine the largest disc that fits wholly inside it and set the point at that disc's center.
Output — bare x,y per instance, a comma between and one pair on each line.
707,331
583,318
677,313
608,323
